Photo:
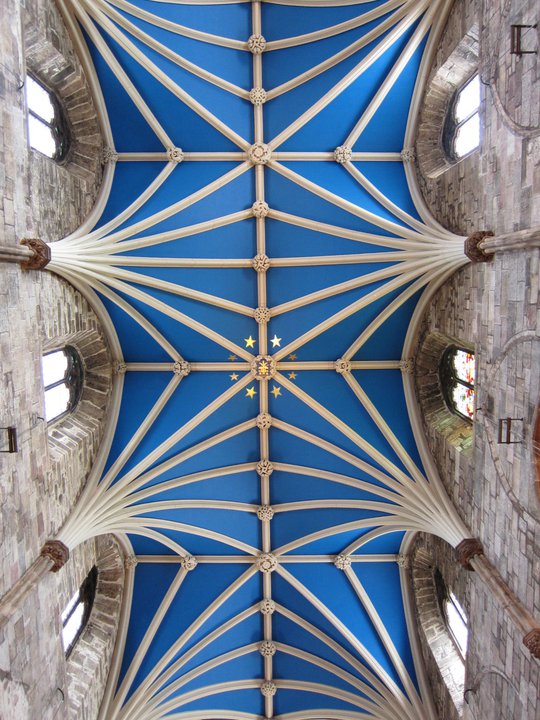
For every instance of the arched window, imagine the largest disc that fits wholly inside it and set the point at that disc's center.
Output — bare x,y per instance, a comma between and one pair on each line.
47,127
453,614
462,127
77,611
62,379
457,372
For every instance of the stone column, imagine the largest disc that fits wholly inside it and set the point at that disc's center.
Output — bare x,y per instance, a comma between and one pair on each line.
54,555
470,554
14,254
33,255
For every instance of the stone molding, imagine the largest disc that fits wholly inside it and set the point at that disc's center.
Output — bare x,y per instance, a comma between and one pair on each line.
259,153
532,642
88,664
264,468
342,366
41,254
175,154
256,44
267,607
189,563
432,160
262,315
267,648
182,368
56,552
472,247
263,367
436,415
267,563
265,512
268,689
342,562
261,263
467,550
257,95
264,421
260,209
342,154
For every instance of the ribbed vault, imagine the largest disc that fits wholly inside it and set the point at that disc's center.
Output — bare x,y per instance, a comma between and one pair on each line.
261,250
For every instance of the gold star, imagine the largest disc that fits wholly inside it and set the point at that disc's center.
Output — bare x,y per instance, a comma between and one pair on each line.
276,391
276,342
292,357
292,375
250,342
232,357
233,376
251,392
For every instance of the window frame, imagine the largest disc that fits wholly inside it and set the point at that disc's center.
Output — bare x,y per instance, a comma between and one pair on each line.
85,595
449,378
445,596
452,125
73,379
58,126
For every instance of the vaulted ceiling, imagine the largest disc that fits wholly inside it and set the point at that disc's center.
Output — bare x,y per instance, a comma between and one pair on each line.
260,256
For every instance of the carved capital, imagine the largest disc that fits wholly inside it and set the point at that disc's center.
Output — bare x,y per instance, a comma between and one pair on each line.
259,153
268,689
472,247
119,368
342,562
342,154
56,551
408,155
188,562
257,95
262,315
267,607
267,563
130,561
403,560
265,512
260,209
264,421
182,367
468,549
261,263
41,254
256,44
175,154
267,648
342,366
265,467
407,366
532,642
108,155
263,367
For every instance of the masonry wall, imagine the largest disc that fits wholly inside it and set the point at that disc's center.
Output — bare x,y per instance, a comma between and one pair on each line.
492,308
40,483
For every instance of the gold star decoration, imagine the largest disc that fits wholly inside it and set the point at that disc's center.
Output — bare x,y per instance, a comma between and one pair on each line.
233,376
250,342
251,392
276,342
292,375
276,391
293,356
232,358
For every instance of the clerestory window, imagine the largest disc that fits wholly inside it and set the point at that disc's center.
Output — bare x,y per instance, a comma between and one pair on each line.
62,378
457,372
47,127
462,130
77,611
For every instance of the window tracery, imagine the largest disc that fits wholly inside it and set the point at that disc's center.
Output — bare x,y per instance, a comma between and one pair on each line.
457,372
48,131
462,131
62,379
77,612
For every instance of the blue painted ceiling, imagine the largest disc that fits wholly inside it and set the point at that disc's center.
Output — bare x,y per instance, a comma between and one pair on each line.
344,463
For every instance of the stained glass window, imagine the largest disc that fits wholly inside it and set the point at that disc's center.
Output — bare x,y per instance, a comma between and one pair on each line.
457,378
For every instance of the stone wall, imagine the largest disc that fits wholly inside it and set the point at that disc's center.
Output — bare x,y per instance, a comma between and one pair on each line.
40,483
